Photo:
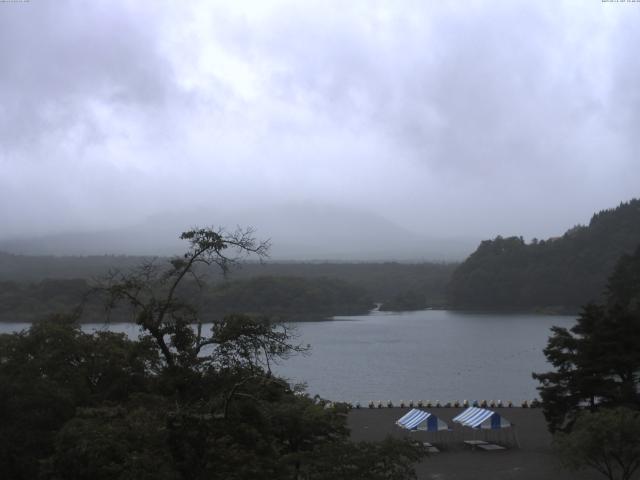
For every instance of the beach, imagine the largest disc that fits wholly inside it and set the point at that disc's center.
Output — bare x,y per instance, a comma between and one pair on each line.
533,459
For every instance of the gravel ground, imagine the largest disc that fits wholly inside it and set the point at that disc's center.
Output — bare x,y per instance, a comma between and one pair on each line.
532,460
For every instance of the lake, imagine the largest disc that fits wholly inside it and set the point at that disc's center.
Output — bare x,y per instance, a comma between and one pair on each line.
432,355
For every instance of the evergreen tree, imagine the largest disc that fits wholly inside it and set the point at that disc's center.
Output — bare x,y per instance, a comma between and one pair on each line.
597,361
559,274
607,441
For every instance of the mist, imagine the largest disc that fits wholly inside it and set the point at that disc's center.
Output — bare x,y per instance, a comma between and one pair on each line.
355,130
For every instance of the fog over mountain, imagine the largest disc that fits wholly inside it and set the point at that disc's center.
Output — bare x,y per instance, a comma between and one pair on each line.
363,129
299,232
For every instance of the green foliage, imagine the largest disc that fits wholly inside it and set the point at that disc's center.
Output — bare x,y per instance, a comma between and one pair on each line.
607,440
623,289
49,371
411,300
390,459
230,420
108,443
31,287
291,297
36,268
597,361
178,403
29,302
557,274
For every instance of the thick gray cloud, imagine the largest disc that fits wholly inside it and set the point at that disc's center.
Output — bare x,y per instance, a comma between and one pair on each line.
450,119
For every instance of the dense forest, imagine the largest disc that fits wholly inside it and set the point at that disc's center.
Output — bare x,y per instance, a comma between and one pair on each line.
178,402
557,274
32,286
287,298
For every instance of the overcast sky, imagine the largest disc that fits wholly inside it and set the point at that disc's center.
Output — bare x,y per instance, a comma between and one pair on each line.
463,118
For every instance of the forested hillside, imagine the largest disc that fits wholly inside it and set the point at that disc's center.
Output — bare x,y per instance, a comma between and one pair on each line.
290,298
293,297
32,286
34,268
558,274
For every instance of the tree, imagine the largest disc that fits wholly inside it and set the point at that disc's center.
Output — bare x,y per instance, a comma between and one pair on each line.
559,274
48,372
177,403
390,459
597,361
110,442
152,291
607,440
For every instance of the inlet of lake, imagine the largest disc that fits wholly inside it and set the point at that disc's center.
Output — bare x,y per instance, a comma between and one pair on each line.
434,355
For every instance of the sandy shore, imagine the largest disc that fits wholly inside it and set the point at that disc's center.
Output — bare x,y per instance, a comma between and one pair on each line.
532,460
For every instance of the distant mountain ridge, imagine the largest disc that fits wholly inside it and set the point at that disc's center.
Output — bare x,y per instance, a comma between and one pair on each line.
558,274
297,232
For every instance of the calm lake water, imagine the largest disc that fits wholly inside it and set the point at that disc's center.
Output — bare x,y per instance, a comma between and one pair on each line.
426,355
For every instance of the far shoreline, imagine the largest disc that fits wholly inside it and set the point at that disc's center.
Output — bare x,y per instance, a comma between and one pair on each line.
322,318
